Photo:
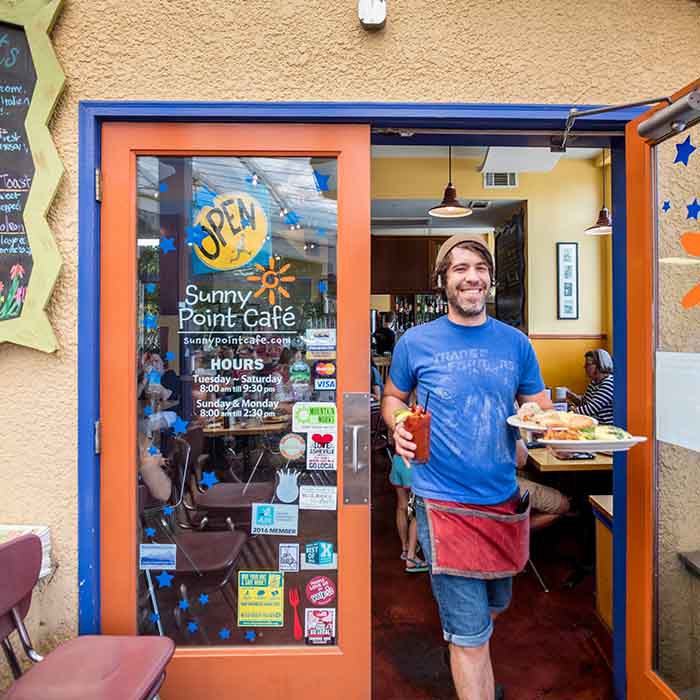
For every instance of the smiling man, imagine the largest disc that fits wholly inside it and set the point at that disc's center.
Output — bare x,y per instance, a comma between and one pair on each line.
470,369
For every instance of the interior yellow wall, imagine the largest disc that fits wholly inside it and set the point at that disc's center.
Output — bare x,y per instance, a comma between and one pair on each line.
313,50
561,204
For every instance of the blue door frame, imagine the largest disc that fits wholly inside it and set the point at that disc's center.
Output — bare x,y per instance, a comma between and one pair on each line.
521,125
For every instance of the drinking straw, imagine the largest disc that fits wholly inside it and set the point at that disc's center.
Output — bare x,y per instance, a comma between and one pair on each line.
427,398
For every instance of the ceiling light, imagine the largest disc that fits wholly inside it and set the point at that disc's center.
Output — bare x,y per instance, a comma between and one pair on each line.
603,226
450,208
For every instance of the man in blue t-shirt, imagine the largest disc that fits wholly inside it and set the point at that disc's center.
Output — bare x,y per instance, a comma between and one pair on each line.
470,369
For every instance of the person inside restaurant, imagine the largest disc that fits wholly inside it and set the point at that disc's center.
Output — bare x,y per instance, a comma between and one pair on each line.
384,337
597,401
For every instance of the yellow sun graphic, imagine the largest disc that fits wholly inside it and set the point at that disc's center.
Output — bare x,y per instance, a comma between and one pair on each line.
270,280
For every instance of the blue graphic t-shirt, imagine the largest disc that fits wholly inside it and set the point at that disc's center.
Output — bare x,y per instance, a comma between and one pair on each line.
473,374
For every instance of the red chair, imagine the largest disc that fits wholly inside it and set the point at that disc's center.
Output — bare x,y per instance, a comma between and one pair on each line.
99,667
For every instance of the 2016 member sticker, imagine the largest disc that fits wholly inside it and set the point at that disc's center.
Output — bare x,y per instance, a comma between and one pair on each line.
314,415
292,446
320,590
321,452
318,497
260,599
319,625
289,556
274,519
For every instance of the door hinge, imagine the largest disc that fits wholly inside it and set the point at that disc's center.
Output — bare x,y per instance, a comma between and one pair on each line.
98,437
98,185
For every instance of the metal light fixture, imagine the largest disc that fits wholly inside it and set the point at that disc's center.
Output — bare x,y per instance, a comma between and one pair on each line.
450,208
603,226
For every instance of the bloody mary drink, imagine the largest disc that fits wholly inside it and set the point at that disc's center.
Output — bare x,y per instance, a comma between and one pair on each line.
417,422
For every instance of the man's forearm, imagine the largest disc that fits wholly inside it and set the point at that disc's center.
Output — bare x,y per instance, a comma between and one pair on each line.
389,405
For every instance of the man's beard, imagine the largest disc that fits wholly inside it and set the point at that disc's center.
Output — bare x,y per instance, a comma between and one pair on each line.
466,309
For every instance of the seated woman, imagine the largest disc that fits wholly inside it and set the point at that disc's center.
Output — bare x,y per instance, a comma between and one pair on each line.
597,402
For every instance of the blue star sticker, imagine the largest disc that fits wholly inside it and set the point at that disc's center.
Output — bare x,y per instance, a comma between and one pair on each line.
291,218
169,356
195,235
165,580
168,510
154,617
203,599
208,479
321,232
149,321
321,181
148,411
150,287
684,151
152,450
153,376
323,286
224,633
167,245
667,205
184,604
180,426
192,627
250,635
150,532
163,187
693,209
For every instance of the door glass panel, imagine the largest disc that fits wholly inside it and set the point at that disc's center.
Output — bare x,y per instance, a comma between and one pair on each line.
677,407
237,435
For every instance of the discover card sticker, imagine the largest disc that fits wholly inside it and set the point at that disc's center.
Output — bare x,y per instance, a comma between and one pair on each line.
274,519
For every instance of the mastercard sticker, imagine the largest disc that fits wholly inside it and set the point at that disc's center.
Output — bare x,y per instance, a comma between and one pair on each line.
324,369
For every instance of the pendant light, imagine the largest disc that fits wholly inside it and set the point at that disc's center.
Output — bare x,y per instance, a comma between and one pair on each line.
603,226
450,208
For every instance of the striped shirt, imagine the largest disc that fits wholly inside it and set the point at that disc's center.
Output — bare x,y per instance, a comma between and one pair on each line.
598,400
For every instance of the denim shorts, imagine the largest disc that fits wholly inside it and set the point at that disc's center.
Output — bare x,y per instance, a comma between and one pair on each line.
465,604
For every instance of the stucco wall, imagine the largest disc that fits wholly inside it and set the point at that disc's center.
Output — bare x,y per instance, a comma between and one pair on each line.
538,51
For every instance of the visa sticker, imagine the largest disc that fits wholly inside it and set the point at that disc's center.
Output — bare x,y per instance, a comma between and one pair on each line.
324,384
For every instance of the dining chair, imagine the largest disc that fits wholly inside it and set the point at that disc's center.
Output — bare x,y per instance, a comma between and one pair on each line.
106,667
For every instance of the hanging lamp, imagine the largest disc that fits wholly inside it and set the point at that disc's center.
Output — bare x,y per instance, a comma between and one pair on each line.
603,226
450,208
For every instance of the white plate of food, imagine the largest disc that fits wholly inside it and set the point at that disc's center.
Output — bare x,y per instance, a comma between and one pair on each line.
531,417
600,438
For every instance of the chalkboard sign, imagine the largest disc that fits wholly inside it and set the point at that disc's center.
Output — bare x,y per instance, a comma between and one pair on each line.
31,81
17,81
510,273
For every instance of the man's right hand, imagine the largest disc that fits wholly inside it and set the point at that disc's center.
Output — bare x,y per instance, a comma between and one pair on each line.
403,443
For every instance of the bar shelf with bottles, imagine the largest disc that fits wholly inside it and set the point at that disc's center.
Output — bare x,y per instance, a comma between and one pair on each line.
413,309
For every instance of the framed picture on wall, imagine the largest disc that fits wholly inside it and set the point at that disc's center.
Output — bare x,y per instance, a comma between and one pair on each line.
567,281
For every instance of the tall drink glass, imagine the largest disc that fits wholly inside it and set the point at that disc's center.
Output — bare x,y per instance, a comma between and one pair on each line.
418,424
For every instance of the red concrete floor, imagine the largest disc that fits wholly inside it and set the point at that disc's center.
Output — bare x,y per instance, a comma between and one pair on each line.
547,646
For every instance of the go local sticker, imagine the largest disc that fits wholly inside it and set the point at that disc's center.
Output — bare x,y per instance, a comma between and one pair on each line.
313,416
235,229
322,451
320,590
292,446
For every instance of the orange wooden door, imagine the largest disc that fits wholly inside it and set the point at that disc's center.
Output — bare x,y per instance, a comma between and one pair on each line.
237,248
663,177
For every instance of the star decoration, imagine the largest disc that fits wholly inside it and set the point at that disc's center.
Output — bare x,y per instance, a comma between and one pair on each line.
321,232
150,287
149,321
168,510
224,633
154,617
667,205
153,377
184,604
291,218
693,209
152,450
321,181
180,426
150,532
208,479
167,245
169,356
250,635
163,187
195,235
323,286
165,580
684,151
148,411
203,599
192,627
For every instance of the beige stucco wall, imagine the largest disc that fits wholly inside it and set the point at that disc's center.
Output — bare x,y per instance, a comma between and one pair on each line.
541,51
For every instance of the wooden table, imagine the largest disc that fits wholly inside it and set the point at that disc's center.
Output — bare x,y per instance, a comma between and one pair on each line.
543,460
